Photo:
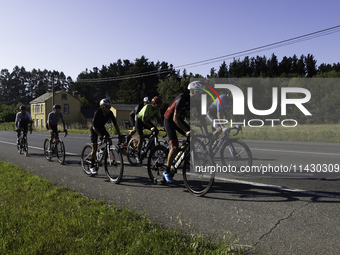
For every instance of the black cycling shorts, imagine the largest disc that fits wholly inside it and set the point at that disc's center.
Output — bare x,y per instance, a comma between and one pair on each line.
94,135
171,128
53,128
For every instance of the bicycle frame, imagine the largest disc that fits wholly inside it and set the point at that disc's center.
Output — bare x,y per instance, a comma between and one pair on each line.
220,142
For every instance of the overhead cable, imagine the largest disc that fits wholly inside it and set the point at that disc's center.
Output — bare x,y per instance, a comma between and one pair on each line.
283,43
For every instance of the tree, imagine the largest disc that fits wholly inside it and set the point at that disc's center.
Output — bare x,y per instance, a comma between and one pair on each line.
273,68
223,71
310,65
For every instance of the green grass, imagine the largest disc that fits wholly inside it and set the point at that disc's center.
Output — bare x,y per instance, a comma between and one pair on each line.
38,217
328,133
302,133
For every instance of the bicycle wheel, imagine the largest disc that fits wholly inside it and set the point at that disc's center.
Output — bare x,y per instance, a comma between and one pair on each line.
114,165
157,163
47,154
131,153
86,159
198,180
60,151
25,147
236,154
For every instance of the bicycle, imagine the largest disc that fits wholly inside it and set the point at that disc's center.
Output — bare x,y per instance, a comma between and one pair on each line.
149,142
197,177
112,156
233,152
22,145
124,145
57,148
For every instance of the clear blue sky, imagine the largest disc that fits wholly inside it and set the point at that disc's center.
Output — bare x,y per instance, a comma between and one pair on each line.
72,35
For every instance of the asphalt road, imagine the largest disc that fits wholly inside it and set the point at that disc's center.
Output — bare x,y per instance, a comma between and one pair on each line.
293,213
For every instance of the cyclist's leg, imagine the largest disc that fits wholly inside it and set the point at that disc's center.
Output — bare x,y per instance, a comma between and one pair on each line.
53,132
132,124
171,128
139,128
210,117
18,135
24,135
94,144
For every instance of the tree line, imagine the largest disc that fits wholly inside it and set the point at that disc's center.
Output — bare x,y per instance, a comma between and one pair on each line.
126,81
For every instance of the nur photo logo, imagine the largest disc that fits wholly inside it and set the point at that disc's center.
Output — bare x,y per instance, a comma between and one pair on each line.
266,102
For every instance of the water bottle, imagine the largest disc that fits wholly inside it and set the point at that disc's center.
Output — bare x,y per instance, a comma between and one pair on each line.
177,157
100,153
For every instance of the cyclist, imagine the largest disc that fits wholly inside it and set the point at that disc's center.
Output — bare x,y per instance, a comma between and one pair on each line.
22,119
52,122
143,121
215,111
133,115
174,120
100,117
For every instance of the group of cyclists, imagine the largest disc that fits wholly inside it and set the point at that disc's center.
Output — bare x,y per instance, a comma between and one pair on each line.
23,121
140,118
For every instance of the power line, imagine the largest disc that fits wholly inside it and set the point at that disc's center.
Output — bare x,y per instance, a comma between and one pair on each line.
283,43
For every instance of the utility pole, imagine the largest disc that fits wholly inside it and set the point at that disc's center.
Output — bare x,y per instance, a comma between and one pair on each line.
52,94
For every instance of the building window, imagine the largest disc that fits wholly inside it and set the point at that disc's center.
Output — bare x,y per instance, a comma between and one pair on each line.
42,122
37,124
63,96
66,108
37,109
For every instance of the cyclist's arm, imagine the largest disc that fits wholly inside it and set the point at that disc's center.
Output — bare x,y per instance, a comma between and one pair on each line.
17,120
63,124
97,131
114,121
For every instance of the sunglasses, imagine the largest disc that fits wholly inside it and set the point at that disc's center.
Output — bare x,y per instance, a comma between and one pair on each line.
108,106
57,110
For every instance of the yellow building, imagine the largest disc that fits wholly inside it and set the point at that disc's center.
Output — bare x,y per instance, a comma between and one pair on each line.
122,112
42,106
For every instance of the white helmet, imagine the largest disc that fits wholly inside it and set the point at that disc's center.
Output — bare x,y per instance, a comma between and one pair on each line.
146,100
104,102
196,85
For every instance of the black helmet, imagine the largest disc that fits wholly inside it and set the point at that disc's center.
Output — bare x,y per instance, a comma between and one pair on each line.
56,107
22,108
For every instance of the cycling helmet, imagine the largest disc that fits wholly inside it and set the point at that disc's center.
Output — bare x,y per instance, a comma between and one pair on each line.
105,102
158,102
196,85
146,100
22,108
56,107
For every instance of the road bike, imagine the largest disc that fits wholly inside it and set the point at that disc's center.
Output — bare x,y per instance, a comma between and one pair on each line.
107,154
22,145
233,152
56,147
124,145
149,142
197,177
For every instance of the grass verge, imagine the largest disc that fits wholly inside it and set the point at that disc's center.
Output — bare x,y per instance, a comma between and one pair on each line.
38,217
301,133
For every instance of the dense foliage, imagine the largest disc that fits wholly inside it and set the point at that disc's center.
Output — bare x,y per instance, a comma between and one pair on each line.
128,82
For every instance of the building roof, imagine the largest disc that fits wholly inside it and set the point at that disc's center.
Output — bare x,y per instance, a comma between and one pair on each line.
124,107
88,113
45,97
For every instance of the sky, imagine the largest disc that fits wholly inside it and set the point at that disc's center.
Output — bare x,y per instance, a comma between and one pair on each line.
71,36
